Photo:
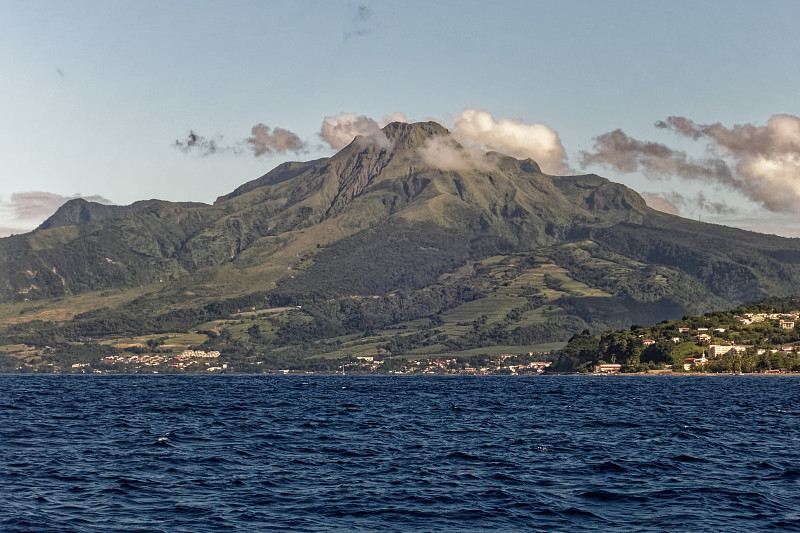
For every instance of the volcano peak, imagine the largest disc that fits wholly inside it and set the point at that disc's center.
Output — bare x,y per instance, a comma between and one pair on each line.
412,135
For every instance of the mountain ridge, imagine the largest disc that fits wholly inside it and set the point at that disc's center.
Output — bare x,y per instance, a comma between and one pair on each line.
377,218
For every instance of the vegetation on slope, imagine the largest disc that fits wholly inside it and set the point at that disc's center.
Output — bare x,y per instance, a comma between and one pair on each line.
753,338
372,251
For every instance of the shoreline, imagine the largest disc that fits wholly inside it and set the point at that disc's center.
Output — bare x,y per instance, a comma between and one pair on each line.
304,374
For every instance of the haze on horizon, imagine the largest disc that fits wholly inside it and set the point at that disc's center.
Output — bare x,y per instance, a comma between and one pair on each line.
691,104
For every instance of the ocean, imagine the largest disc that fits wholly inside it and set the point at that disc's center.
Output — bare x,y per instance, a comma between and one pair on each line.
133,453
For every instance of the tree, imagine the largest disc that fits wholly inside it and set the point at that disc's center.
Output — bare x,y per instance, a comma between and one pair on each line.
154,343
660,352
581,349
255,332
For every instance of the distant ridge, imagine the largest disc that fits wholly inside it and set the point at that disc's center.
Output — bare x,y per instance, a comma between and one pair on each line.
79,210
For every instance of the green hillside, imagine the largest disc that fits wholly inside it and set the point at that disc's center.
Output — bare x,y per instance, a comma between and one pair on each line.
755,338
374,251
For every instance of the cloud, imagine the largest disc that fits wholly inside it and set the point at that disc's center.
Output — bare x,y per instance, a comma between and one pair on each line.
710,207
23,211
473,134
475,127
761,162
785,224
779,137
195,142
339,130
674,202
361,23
445,153
626,154
660,202
263,140
6,231
394,117
35,205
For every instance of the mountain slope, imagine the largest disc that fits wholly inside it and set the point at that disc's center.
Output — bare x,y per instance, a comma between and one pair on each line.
86,246
339,236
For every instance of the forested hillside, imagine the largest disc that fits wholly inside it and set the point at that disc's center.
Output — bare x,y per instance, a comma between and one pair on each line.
755,338
378,250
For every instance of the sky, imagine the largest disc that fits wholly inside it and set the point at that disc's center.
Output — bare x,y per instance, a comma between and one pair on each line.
693,104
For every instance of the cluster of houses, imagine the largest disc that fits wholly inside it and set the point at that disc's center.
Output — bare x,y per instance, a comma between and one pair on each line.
191,354
185,359
504,364
716,351
786,320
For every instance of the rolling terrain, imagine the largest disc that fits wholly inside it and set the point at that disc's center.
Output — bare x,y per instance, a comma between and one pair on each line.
375,251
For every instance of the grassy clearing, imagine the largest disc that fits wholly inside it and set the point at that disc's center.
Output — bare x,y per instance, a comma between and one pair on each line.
504,350
365,349
66,308
176,340
534,317
19,351
495,307
557,282
192,339
267,329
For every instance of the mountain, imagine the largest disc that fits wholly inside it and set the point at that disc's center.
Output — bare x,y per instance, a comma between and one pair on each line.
379,242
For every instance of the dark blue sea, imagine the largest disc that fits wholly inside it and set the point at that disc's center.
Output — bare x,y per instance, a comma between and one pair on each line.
399,453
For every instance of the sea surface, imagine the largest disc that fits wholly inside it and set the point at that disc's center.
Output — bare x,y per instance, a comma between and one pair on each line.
399,453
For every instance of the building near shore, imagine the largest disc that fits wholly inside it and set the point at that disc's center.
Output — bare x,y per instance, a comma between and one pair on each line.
607,368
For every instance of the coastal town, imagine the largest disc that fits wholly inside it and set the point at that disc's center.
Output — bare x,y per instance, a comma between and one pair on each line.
766,340
721,342
507,364
198,361
192,360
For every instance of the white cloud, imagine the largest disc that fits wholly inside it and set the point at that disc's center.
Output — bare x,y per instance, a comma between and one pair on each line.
475,127
445,153
340,130
394,117
474,132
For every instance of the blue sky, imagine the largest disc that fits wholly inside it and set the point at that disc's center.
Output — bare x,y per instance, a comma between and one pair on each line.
95,94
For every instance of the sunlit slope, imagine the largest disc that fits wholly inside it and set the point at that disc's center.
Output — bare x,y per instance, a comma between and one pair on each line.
375,219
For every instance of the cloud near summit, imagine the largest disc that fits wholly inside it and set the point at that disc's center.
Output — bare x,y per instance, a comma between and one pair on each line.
761,162
477,128
476,132
473,133
339,130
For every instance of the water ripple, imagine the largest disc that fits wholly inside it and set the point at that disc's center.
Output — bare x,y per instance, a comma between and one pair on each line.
321,453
